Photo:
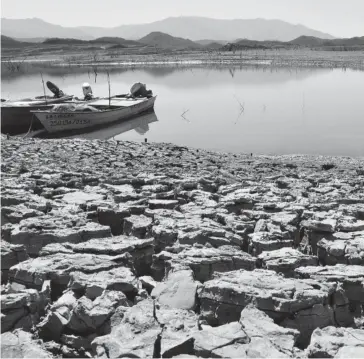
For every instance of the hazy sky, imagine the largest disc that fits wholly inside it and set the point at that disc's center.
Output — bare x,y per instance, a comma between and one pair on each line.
342,18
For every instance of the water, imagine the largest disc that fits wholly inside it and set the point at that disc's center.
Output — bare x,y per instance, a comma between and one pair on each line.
270,111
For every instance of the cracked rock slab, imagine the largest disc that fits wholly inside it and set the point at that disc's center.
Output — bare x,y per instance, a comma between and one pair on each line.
203,261
223,298
350,276
58,268
286,260
20,344
331,342
177,291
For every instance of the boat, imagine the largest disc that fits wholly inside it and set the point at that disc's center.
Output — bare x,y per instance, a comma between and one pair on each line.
78,116
16,115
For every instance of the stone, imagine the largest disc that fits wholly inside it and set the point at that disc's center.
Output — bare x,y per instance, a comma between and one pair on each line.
113,217
177,291
20,344
141,250
138,226
209,340
264,241
164,204
178,328
325,225
286,260
34,239
10,256
343,248
58,316
331,342
148,283
258,325
204,261
351,278
134,332
88,316
93,284
81,197
224,297
58,269
23,309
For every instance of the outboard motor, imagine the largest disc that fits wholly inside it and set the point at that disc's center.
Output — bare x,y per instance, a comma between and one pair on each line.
140,90
87,91
54,89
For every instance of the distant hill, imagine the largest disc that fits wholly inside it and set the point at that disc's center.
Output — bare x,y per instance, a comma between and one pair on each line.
8,42
213,46
61,41
208,42
116,41
193,28
314,41
165,41
308,41
31,39
355,43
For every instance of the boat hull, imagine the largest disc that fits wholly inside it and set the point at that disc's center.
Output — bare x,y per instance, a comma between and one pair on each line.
69,121
17,119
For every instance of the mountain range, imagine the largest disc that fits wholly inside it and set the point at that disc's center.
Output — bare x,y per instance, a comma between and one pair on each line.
192,28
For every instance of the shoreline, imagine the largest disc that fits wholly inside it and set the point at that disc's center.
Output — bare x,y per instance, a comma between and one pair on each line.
261,58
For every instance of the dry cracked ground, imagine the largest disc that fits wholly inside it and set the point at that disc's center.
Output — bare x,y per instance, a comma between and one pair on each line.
118,249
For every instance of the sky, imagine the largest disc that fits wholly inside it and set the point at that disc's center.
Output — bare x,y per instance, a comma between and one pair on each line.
340,18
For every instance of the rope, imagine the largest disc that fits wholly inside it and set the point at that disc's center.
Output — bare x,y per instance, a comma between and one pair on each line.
31,124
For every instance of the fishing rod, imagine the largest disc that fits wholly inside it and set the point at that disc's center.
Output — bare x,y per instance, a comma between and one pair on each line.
108,80
45,97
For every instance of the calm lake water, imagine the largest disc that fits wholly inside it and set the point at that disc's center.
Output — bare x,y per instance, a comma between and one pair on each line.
269,111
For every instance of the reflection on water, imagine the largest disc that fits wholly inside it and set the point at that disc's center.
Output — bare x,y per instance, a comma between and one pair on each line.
249,109
139,124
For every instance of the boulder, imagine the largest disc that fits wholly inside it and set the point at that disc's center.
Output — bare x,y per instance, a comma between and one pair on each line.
113,217
58,316
23,309
58,268
134,332
10,256
177,291
162,204
331,342
34,238
141,250
93,284
211,342
344,248
20,344
203,261
138,226
265,333
88,316
178,328
351,277
254,335
224,297
265,241
286,260
325,225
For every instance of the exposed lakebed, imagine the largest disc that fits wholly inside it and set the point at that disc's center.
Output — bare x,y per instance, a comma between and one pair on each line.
120,249
240,109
